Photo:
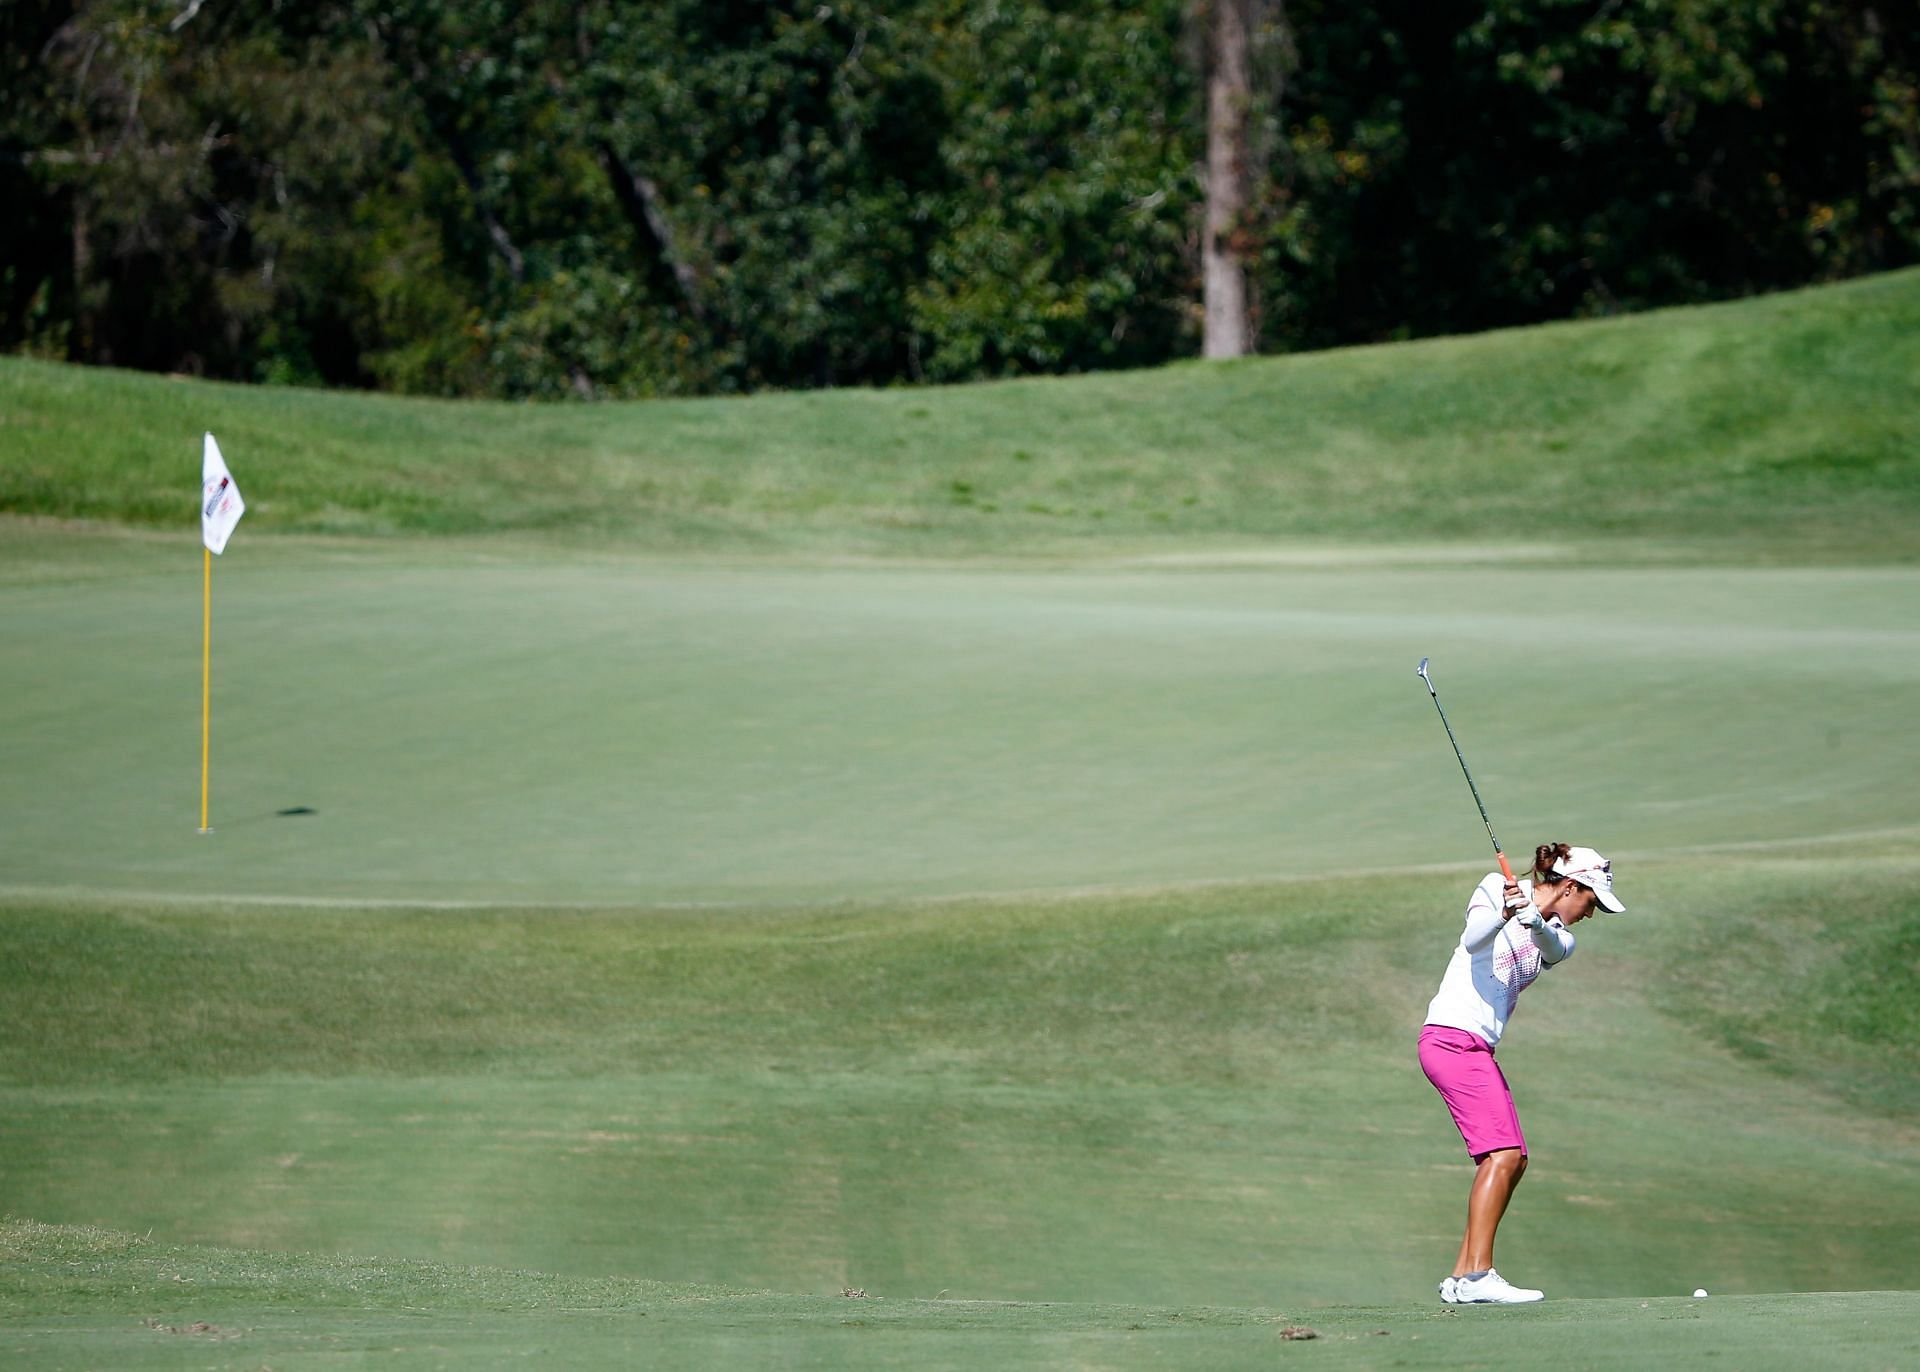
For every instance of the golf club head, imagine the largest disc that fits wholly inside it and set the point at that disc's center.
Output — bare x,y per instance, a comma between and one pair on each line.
1421,672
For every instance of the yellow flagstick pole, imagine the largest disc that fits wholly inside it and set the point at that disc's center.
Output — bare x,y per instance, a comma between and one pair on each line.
206,676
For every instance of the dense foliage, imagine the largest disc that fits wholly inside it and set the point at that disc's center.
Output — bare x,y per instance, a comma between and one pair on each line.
631,197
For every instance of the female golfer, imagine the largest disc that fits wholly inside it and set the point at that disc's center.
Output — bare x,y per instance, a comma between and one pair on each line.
1514,931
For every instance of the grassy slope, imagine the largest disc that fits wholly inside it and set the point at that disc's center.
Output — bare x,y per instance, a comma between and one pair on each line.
1178,987
1781,427
1202,1097
89,1297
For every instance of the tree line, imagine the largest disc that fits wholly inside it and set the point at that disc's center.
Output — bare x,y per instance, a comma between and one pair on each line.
529,198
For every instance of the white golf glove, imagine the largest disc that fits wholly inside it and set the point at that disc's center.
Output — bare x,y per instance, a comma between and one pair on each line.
1531,919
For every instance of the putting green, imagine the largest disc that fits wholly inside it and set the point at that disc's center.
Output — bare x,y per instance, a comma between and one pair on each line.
523,725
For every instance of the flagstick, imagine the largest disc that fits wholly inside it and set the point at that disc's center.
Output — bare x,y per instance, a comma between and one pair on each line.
206,675
220,509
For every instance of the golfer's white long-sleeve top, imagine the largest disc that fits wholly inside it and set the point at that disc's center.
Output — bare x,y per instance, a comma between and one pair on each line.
1494,962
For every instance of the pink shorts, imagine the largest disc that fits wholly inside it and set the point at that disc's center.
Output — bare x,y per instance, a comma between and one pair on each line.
1461,1067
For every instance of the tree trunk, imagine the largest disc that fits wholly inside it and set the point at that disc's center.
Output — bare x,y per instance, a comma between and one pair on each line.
496,231
639,197
1229,331
80,339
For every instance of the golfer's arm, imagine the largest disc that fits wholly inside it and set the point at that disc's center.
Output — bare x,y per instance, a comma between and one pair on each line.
1555,943
1484,918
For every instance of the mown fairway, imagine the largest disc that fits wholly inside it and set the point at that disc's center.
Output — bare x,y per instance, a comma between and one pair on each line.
1035,944
214,1307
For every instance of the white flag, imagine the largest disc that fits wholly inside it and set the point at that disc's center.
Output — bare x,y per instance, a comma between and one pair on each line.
220,502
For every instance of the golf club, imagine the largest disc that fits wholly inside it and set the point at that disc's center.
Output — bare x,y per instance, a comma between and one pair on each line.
1424,675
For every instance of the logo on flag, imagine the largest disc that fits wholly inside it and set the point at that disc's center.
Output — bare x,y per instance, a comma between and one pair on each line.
220,502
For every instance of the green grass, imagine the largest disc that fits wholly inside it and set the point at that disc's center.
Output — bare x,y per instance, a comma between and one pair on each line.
1205,1097
95,1297
1176,988
535,726
811,878
1780,428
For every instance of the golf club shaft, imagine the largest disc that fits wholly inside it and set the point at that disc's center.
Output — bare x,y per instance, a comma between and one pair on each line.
1505,870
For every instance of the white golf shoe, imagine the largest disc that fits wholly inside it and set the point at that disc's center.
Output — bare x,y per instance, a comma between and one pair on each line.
1446,1291
1490,1288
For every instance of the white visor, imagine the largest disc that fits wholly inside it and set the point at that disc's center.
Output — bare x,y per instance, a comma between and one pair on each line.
1593,872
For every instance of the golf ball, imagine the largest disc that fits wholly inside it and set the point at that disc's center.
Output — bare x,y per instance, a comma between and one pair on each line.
1700,1293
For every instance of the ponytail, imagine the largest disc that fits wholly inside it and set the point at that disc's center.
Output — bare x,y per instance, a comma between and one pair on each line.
1545,856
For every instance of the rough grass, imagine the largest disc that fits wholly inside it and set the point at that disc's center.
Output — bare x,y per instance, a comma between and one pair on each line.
1146,990
1199,1097
1798,962
1780,428
1808,968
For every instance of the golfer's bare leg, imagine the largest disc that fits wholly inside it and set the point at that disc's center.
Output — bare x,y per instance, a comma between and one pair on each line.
1493,1184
